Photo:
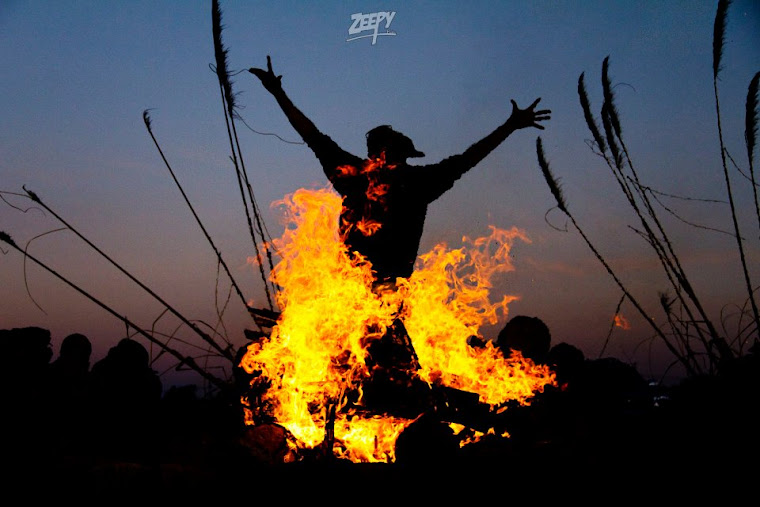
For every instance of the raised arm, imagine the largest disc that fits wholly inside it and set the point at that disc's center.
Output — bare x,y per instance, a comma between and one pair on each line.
440,177
273,84
519,119
330,155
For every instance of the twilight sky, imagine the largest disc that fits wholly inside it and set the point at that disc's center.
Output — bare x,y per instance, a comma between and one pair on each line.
78,75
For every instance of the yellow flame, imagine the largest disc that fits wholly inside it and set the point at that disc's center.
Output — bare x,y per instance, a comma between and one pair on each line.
314,361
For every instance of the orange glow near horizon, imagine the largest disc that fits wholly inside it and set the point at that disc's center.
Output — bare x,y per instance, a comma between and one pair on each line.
315,359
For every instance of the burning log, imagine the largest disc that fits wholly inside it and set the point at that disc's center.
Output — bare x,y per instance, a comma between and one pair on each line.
263,317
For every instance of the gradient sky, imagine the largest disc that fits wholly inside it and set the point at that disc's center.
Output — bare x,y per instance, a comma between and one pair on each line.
78,75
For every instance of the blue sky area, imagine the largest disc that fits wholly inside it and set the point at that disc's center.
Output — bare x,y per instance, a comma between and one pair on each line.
78,75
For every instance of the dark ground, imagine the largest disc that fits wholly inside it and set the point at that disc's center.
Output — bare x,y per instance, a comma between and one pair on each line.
111,431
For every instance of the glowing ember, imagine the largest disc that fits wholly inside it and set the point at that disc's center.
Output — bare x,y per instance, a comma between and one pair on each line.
622,322
310,372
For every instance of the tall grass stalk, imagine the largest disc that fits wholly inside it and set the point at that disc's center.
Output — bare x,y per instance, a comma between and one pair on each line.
719,30
224,351
750,135
693,338
220,259
556,191
655,232
189,361
615,153
228,102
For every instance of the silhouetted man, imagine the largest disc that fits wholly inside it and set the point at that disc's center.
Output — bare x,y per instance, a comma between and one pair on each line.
385,199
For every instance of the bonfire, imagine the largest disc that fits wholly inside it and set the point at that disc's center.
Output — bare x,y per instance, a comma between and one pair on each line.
350,364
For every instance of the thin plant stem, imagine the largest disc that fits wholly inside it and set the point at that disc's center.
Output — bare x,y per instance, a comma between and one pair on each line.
718,40
554,187
228,103
223,351
750,135
220,259
182,358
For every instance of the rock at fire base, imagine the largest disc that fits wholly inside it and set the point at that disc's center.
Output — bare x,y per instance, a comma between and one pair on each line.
267,443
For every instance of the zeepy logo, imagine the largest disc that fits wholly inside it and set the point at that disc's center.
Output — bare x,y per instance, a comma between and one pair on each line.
370,22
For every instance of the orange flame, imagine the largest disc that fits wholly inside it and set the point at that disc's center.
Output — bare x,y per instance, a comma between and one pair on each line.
367,226
346,170
622,322
314,360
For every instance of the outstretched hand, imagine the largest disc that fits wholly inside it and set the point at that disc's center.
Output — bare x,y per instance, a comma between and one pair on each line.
529,117
267,77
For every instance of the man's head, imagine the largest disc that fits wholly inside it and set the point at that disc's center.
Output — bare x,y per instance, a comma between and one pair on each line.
397,146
